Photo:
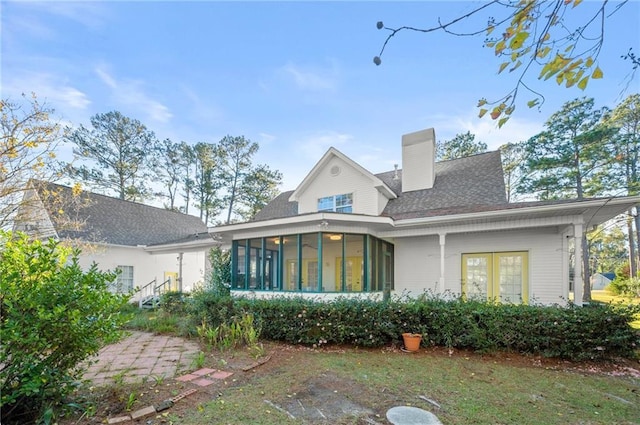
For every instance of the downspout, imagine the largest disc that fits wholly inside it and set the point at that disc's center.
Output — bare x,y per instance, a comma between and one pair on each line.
440,284
578,281
180,257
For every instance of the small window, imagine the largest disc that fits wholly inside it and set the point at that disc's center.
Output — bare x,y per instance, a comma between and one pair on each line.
124,281
338,203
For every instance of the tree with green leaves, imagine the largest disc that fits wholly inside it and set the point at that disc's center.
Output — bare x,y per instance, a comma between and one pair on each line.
206,182
235,167
560,38
169,171
28,145
120,151
608,250
187,178
512,155
463,144
563,160
258,189
624,172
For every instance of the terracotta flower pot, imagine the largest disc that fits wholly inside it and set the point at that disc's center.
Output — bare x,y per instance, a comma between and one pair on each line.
411,341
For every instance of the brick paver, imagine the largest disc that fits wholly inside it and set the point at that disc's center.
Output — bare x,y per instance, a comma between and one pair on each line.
141,355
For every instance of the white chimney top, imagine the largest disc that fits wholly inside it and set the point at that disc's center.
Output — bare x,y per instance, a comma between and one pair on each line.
418,160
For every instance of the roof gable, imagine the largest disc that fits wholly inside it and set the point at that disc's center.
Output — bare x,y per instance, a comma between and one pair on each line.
462,185
98,218
324,162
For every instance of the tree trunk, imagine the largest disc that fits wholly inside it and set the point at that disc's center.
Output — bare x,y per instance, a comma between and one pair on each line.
633,246
637,222
586,275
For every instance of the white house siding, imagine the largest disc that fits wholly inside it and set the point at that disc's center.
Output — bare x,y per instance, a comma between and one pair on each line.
349,180
146,266
417,261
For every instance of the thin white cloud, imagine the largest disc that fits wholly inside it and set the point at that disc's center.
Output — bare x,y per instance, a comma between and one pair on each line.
314,146
517,129
266,138
47,87
130,93
91,14
312,78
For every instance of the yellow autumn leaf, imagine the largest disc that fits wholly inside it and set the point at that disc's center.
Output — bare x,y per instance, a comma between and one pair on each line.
514,67
495,113
588,62
490,29
482,102
518,40
500,46
503,65
583,83
482,113
502,121
532,103
597,73
576,2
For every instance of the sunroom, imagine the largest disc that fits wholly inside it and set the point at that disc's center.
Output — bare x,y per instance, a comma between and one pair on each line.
315,262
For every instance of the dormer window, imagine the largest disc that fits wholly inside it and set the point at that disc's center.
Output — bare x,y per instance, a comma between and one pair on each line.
337,203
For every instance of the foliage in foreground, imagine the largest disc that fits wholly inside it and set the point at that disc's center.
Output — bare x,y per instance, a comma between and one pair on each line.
54,316
576,333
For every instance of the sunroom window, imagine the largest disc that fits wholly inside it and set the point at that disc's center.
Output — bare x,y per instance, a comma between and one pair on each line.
313,262
337,203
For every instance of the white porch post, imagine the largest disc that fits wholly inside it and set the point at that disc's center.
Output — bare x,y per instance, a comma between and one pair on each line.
441,280
578,284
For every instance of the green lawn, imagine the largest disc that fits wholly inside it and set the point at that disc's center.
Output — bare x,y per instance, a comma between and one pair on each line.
607,297
469,388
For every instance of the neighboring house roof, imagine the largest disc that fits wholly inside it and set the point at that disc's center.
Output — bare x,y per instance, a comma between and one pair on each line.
474,183
103,219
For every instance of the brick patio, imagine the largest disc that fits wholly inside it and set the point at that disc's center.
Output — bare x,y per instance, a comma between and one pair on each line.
142,355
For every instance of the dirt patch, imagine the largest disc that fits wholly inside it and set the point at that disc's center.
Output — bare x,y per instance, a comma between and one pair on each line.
325,398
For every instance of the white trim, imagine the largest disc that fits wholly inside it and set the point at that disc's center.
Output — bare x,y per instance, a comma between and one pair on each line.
378,184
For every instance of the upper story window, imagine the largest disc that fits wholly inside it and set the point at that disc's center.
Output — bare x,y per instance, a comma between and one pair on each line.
337,203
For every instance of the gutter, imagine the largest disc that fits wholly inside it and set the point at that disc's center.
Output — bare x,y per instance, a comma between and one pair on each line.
582,205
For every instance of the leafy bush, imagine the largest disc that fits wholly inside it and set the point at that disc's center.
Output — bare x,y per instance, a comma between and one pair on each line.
173,302
219,281
575,333
54,316
625,286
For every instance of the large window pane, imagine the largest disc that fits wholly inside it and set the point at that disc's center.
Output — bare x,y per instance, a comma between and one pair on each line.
331,257
290,262
309,277
354,263
272,264
255,264
240,264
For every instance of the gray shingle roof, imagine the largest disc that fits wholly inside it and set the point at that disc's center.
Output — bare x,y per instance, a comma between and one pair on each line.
278,207
465,184
111,220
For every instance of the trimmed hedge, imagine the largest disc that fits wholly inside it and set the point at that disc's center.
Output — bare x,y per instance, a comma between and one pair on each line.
575,333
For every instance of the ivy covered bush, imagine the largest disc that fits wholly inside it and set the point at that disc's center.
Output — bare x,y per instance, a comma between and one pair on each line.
575,333
53,317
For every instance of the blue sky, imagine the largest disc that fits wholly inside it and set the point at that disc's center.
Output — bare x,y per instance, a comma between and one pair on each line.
296,77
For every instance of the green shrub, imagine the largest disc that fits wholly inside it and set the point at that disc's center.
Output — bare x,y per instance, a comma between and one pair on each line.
173,302
54,316
576,333
625,286
219,280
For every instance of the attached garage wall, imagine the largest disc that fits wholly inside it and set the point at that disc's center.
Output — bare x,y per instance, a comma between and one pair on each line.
417,261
